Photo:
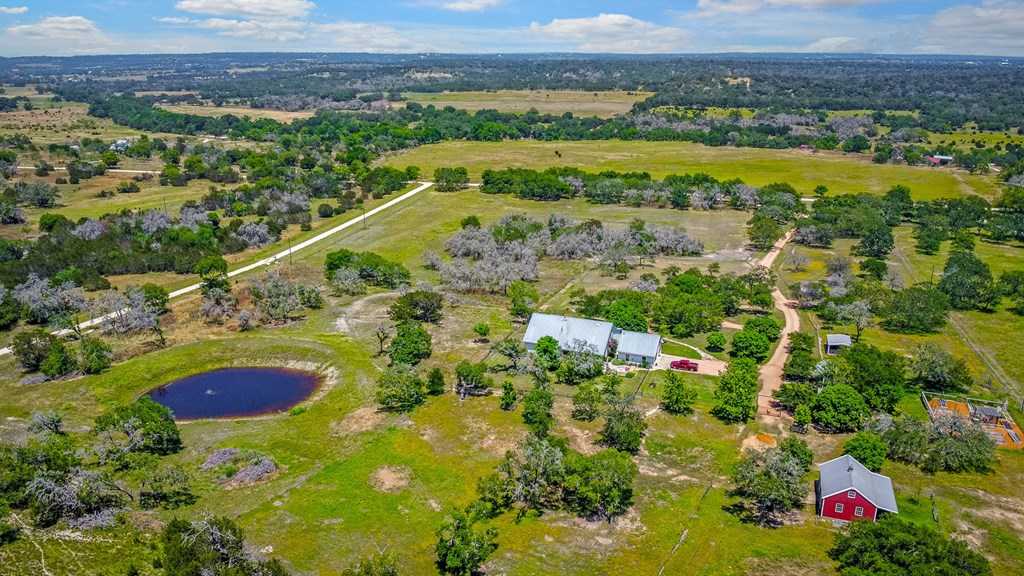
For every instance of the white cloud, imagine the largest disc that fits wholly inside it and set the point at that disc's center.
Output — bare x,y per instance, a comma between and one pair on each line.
58,27
13,9
175,20
713,7
470,5
57,35
613,33
270,30
992,27
248,8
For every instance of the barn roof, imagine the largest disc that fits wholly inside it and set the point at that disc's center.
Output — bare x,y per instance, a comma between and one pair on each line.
639,343
846,473
567,331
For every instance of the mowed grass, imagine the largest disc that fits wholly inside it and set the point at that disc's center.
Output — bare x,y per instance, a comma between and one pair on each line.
240,111
601,104
842,174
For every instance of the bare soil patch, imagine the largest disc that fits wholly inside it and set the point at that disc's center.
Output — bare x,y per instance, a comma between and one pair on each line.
391,478
362,420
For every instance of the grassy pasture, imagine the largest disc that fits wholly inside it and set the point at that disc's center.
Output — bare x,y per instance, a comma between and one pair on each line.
601,104
841,173
240,111
325,508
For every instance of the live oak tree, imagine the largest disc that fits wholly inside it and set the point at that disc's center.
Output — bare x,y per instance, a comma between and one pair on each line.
400,389
768,484
462,547
894,547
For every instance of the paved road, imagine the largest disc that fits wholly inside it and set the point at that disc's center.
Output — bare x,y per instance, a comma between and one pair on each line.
272,259
771,372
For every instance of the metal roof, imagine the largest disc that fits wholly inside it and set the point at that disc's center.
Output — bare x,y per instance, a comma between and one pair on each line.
846,473
839,340
639,343
567,331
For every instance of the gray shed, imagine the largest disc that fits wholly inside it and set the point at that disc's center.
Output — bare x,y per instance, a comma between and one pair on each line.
836,342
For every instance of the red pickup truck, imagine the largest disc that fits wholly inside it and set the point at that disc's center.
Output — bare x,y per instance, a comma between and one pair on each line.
685,365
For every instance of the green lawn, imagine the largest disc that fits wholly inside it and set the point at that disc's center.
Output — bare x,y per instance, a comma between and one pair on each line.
841,173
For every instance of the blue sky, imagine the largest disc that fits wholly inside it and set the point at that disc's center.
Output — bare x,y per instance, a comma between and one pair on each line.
51,27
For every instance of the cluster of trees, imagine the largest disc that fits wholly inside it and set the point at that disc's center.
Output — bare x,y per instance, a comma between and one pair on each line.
497,258
85,482
689,302
840,393
944,444
897,546
367,267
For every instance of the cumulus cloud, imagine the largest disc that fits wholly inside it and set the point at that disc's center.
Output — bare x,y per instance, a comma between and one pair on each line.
248,8
13,9
271,30
58,27
58,34
612,33
991,27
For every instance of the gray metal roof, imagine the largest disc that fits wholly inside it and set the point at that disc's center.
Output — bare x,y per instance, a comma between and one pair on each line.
839,340
568,331
639,343
846,473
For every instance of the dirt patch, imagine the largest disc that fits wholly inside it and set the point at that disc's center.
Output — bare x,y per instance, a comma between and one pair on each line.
759,442
487,438
1001,510
363,315
390,479
362,420
582,440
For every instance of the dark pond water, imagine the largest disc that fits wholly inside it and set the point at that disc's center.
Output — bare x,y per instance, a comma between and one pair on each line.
236,392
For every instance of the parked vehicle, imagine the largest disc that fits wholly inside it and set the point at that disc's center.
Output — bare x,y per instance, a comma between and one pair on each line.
684,365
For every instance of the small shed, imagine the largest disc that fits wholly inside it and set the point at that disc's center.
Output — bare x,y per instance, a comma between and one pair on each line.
847,491
638,348
834,343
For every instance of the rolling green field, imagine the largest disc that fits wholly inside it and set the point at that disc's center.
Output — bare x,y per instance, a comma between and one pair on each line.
840,173
326,506
600,104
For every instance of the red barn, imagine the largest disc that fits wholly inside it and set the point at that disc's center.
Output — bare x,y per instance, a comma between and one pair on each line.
847,491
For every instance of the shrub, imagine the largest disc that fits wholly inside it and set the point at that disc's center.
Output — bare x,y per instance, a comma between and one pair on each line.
624,428
868,448
151,421
411,344
435,382
399,389
96,355
716,342
896,546
325,210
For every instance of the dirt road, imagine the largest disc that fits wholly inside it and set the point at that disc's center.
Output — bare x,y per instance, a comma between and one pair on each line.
771,372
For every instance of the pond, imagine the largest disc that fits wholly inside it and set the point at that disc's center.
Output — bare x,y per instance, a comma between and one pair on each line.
236,392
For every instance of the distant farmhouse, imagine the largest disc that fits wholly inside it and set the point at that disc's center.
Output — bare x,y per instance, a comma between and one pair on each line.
847,491
598,336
